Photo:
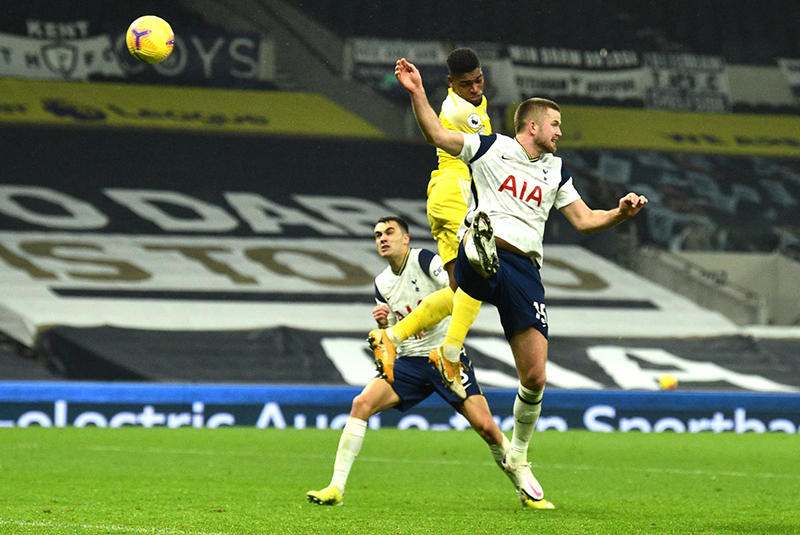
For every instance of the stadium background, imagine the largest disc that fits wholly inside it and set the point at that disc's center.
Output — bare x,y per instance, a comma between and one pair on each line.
193,238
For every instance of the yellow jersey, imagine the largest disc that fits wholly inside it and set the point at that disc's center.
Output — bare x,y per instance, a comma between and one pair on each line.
462,116
449,188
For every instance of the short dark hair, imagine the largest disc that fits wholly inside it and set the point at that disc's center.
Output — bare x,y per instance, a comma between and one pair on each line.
402,223
462,61
532,110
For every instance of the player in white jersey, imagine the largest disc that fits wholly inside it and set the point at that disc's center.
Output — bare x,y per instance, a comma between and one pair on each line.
410,276
516,181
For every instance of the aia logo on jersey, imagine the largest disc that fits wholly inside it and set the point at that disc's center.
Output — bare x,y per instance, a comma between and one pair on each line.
403,313
521,191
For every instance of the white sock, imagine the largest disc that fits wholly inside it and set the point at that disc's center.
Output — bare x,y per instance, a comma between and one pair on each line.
452,353
393,337
349,446
499,450
527,408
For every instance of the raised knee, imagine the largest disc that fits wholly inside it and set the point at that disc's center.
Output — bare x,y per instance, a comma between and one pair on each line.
533,381
360,407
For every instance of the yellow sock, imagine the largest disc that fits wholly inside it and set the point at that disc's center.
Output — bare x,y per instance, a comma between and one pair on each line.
465,311
433,309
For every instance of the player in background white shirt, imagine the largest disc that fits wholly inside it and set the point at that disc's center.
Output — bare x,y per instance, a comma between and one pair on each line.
501,253
410,276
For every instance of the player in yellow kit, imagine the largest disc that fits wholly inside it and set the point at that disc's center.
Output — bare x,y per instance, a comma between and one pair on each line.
464,110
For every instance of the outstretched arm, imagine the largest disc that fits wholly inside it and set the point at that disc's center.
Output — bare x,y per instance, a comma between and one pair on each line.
587,220
435,134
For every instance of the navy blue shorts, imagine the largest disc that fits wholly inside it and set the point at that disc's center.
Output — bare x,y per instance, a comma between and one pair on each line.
516,290
415,379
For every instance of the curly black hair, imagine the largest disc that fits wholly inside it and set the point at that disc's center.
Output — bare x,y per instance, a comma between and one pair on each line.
462,61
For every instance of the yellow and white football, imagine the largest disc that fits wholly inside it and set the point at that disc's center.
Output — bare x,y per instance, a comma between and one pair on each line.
150,39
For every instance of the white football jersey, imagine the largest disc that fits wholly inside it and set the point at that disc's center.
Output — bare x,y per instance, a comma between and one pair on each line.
422,274
516,191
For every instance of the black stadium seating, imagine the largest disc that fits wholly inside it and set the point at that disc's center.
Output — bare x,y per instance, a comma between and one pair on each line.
701,201
735,29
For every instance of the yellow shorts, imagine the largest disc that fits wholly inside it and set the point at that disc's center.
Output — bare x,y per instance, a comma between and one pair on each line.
448,193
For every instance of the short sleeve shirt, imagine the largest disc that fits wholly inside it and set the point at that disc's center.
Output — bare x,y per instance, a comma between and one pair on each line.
517,192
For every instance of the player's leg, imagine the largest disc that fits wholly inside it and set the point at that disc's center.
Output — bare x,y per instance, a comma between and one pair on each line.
466,305
529,347
465,309
383,342
431,310
519,297
480,249
446,357
465,312
476,410
378,395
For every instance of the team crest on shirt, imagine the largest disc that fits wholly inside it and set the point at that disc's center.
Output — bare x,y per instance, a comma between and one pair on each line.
474,121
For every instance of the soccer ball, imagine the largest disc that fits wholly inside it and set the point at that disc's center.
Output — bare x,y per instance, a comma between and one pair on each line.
668,382
150,39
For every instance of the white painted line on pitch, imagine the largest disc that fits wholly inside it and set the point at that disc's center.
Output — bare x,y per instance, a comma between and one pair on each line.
172,451
677,471
105,528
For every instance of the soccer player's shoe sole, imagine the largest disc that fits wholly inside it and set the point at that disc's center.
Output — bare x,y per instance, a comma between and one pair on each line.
483,237
450,372
385,353
536,504
528,487
330,495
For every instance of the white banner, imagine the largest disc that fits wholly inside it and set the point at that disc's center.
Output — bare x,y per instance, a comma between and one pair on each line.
687,82
512,73
560,72
49,59
574,59
791,70
680,82
372,62
387,52
555,83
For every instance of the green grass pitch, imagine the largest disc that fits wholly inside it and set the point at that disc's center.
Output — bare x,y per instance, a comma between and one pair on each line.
249,481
